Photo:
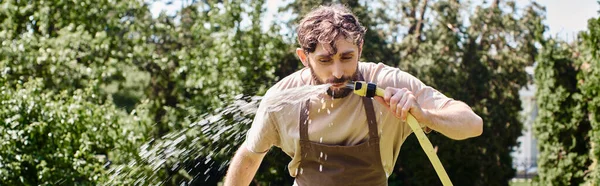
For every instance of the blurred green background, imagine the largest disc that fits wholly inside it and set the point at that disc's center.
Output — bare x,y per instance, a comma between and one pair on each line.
104,92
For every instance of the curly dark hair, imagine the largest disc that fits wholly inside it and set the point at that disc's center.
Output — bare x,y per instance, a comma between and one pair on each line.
325,24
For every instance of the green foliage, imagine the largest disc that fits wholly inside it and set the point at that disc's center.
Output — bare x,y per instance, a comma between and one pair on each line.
76,44
58,139
561,126
163,70
590,88
570,84
481,63
568,76
57,60
187,81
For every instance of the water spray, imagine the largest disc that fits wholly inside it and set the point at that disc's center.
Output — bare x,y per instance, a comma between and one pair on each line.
370,90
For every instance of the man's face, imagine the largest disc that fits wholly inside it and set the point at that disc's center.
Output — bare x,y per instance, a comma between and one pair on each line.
336,69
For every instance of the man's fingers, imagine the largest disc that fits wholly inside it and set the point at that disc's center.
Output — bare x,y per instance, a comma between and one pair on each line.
401,110
381,100
388,93
398,101
395,100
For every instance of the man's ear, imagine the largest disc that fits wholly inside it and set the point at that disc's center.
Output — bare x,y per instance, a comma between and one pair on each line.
360,47
302,56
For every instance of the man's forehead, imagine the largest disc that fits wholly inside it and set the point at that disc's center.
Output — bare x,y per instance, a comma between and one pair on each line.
324,53
342,46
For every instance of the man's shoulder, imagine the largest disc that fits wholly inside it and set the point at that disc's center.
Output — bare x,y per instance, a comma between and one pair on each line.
376,72
367,65
374,67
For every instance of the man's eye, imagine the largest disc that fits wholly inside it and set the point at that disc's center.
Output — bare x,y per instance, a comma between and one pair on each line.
347,57
324,60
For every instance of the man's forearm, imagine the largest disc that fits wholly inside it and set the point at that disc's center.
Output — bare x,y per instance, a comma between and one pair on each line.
243,167
456,121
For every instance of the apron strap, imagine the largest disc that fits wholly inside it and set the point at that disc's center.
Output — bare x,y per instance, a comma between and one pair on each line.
371,119
304,121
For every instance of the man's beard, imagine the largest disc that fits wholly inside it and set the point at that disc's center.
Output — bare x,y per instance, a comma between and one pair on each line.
338,92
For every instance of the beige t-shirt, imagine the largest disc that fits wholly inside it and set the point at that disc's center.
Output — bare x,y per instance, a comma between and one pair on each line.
339,121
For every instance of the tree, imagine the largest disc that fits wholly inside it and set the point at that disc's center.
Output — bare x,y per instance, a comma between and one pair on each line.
590,78
57,57
482,64
561,127
58,138
567,125
199,62
74,43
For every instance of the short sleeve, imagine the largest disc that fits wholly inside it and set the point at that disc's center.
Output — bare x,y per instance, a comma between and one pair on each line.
427,97
263,133
430,98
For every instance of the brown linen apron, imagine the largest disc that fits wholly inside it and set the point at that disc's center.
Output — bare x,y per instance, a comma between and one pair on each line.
322,164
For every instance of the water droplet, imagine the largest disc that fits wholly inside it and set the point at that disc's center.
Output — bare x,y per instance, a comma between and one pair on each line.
321,155
325,156
328,112
320,168
309,121
319,111
214,128
321,140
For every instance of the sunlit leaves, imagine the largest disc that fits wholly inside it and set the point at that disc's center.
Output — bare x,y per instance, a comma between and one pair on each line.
61,138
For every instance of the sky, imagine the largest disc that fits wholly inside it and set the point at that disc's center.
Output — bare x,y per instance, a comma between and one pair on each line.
564,18
567,17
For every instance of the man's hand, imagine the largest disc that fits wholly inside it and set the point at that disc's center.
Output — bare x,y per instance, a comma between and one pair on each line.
401,102
455,119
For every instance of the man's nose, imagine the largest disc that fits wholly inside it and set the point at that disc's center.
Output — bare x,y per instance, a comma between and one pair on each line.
338,70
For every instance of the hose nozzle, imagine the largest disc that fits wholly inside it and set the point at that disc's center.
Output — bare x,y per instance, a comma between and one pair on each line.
365,89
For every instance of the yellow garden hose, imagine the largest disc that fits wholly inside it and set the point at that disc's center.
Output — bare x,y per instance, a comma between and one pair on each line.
362,88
